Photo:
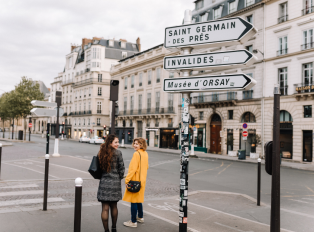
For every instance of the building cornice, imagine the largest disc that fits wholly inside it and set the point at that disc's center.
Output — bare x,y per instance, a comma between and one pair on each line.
290,55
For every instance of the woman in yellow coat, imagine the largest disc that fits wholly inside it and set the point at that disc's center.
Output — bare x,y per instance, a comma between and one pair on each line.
138,166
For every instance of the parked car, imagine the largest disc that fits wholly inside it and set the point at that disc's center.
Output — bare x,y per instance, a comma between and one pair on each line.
96,140
84,139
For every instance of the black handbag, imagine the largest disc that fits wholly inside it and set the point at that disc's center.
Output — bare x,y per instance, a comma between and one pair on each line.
135,186
94,168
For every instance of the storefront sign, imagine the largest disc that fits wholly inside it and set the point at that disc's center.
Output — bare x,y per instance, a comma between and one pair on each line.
307,87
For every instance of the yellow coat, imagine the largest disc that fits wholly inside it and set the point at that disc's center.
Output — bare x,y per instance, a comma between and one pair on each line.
134,175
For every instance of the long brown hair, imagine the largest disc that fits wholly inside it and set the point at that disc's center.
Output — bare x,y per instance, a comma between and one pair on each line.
106,153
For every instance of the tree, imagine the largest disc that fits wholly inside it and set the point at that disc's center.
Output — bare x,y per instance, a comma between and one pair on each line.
26,91
4,114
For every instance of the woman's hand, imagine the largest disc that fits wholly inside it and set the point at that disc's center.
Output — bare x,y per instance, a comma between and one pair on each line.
127,185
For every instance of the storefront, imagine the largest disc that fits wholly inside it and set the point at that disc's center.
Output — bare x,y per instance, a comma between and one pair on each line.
152,133
126,133
199,137
229,140
248,145
169,138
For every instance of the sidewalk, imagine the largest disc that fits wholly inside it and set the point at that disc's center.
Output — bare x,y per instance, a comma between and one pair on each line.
201,155
5,144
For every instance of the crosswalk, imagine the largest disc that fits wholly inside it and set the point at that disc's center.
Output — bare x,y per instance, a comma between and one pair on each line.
16,197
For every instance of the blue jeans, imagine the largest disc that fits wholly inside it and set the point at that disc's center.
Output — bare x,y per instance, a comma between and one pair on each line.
136,207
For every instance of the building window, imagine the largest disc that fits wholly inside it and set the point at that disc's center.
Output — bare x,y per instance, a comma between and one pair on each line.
132,81
201,115
248,117
125,83
230,114
88,122
158,75
123,44
170,122
307,39
307,111
249,18
308,7
149,102
171,74
157,101
232,6
283,12
125,103
249,48
217,12
111,43
283,46
98,107
170,102
132,103
124,55
140,81
131,122
99,77
99,91
199,4
123,123
157,123
283,80
204,17
140,103
307,74
249,2
149,77
98,121
89,105
90,91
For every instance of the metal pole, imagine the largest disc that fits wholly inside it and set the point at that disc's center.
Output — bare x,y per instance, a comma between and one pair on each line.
275,190
113,115
78,204
47,136
57,125
29,129
259,182
56,148
184,156
46,182
0,158
13,128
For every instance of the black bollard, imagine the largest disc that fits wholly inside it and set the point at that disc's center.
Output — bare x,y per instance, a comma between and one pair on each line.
259,182
46,182
78,204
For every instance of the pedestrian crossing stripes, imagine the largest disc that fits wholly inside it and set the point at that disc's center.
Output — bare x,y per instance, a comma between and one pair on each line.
29,201
20,186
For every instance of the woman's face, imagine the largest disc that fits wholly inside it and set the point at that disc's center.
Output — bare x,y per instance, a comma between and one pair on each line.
136,146
115,143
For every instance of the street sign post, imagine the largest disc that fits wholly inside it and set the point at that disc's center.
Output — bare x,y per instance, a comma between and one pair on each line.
30,124
244,126
245,133
222,32
45,112
43,103
209,83
214,60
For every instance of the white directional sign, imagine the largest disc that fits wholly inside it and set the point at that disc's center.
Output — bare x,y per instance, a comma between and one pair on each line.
209,60
209,83
43,103
46,112
222,32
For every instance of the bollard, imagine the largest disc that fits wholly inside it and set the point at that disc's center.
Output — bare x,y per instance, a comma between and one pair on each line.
259,182
78,204
46,182
0,158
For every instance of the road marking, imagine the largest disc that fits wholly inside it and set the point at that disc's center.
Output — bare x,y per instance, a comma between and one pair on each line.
305,202
231,227
222,164
310,189
29,201
224,169
168,207
31,170
310,199
218,211
294,212
64,167
161,218
163,162
78,157
21,193
21,186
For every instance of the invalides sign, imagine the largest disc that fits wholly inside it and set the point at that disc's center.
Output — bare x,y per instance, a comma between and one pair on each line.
215,33
209,60
209,83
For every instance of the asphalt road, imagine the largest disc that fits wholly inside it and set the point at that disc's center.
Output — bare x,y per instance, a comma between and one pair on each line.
297,187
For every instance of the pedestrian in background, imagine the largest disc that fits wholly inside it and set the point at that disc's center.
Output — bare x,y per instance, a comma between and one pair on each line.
137,172
109,190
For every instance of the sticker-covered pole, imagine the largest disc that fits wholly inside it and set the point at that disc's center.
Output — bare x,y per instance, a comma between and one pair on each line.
184,156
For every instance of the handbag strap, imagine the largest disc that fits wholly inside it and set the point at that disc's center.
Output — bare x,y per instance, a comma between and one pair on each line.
140,164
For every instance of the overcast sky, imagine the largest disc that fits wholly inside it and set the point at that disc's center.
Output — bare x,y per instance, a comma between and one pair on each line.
36,35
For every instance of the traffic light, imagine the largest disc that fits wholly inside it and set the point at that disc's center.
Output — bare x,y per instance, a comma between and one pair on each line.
268,148
104,127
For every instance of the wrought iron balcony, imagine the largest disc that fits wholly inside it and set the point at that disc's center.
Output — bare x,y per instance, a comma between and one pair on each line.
307,46
283,18
214,97
67,81
167,110
247,94
88,81
308,10
65,114
282,52
304,87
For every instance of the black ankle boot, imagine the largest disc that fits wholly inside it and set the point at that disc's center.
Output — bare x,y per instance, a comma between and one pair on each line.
113,229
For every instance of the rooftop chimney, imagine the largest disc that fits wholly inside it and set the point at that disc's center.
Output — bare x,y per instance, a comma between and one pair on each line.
138,42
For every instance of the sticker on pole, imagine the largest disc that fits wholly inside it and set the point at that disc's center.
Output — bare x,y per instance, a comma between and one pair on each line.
245,133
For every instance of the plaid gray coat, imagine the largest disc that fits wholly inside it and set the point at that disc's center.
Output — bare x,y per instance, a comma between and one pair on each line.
110,183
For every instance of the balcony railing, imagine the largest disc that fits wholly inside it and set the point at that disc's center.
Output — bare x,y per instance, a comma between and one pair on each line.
304,87
308,10
67,81
307,46
283,19
167,110
247,94
282,52
87,81
215,97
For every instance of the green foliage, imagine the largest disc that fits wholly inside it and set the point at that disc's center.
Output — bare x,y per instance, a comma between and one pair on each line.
257,140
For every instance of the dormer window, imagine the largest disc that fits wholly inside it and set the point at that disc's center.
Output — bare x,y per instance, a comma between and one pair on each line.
124,55
217,12
123,44
233,6
199,4
111,43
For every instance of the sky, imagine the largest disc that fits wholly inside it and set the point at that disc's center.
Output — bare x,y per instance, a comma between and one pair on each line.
36,35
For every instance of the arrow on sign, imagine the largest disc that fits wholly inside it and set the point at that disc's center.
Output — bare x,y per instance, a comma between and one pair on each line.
43,103
46,112
209,60
222,32
209,83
